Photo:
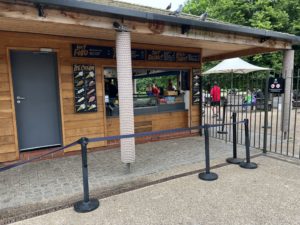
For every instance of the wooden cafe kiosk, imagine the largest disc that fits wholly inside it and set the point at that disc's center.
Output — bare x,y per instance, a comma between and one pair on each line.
71,69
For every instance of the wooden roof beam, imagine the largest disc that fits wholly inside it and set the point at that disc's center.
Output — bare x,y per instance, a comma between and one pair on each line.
246,52
30,13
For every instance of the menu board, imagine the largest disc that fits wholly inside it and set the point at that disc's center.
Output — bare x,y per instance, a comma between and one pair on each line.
193,57
84,88
138,54
92,51
196,86
182,57
156,55
187,57
169,56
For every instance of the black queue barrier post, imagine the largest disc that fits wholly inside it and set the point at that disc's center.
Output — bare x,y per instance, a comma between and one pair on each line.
207,175
223,120
87,204
247,164
234,159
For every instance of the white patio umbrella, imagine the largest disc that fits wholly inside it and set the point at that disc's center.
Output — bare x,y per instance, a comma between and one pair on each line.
234,65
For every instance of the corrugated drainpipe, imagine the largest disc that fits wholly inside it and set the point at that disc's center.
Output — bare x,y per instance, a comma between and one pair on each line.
124,73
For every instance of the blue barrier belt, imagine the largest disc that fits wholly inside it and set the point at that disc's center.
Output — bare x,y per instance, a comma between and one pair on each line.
118,137
35,158
152,133
143,134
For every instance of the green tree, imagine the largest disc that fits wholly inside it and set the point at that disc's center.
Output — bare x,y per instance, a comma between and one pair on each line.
277,15
161,82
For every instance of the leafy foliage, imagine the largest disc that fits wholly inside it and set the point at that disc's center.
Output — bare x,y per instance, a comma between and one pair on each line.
277,15
161,82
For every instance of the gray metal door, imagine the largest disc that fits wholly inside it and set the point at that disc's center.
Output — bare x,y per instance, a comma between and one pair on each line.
36,99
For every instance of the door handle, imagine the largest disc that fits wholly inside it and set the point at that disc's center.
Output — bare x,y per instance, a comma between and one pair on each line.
20,98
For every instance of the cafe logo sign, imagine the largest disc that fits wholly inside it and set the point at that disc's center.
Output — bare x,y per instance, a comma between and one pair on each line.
92,51
80,51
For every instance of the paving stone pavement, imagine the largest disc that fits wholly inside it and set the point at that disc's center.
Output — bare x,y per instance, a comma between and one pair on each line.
268,195
52,183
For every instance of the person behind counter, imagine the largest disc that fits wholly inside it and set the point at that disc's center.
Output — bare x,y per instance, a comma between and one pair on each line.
155,90
149,90
111,92
110,89
171,87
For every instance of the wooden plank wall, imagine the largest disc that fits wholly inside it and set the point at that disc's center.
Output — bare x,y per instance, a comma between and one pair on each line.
74,125
195,115
7,130
153,122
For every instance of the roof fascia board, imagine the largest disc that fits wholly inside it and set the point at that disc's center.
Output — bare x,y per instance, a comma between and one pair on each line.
207,25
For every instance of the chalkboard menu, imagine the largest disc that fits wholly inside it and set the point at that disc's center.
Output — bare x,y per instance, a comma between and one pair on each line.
187,57
84,88
153,55
138,54
92,51
193,57
196,86
156,55
169,56
181,57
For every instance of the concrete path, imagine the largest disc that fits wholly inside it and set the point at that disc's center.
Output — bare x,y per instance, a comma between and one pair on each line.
267,195
52,184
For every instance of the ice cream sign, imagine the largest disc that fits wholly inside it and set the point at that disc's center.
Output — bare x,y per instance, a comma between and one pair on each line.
84,88
276,85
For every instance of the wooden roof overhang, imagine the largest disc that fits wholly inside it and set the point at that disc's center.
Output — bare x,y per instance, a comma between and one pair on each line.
22,16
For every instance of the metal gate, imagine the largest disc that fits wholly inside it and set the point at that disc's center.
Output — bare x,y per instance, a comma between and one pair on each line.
247,95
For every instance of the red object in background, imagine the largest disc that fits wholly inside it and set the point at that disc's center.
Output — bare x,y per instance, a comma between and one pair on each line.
155,91
215,93
162,100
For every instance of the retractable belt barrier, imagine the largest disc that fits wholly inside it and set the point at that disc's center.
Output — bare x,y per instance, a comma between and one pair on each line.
234,159
38,157
116,137
153,133
87,204
209,176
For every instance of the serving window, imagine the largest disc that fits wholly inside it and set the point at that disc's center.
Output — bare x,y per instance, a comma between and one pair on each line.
154,91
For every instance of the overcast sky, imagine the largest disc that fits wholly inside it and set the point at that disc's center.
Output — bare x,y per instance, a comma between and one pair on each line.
162,4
